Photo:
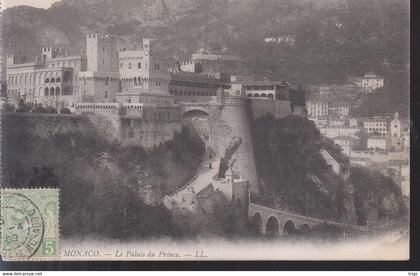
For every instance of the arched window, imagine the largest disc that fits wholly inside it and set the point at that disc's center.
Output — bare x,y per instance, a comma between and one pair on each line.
139,65
264,95
256,95
58,79
47,80
106,80
52,91
129,65
46,91
52,80
57,91
270,96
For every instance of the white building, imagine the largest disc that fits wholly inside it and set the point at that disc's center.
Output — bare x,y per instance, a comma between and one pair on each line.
395,126
379,142
316,109
337,109
377,126
345,143
334,131
370,82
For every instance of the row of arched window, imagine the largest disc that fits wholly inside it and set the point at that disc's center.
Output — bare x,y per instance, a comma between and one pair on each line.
262,95
191,93
40,78
47,80
52,91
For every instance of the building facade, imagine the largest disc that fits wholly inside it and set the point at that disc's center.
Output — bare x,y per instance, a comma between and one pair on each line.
42,82
316,109
370,82
378,126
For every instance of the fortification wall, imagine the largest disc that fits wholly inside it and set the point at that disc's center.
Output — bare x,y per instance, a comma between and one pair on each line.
127,131
136,131
229,122
278,109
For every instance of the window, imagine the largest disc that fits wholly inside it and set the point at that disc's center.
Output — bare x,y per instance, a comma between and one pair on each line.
47,80
139,65
58,79
106,80
52,80
129,65
121,65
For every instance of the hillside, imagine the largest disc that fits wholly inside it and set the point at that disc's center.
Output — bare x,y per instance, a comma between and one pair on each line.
105,189
295,177
329,43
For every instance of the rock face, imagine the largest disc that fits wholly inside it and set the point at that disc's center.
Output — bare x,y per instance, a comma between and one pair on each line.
322,30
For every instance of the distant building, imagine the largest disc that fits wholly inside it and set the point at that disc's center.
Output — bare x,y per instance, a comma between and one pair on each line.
395,126
376,125
370,82
219,66
316,109
353,122
379,142
345,142
338,109
284,39
334,131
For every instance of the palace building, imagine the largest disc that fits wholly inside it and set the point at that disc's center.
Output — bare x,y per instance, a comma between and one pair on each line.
51,80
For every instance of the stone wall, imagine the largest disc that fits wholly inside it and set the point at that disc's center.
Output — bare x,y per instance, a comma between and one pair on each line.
278,109
228,122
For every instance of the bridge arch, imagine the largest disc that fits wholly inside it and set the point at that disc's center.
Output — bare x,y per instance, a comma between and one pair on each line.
195,112
272,227
289,227
257,223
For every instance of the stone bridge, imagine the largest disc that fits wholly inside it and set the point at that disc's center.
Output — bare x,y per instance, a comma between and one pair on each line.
270,221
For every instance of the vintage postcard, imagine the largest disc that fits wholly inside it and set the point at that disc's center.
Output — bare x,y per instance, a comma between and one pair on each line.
205,130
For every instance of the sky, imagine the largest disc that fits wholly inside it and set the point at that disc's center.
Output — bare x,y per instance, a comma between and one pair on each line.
35,3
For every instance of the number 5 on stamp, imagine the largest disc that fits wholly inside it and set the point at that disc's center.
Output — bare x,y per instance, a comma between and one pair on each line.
30,224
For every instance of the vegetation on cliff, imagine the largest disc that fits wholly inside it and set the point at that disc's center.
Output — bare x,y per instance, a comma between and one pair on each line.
393,97
100,183
295,177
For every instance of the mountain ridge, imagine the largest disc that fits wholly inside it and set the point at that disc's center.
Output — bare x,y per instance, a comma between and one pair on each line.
329,43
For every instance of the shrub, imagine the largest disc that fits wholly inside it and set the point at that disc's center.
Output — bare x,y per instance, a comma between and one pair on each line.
65,110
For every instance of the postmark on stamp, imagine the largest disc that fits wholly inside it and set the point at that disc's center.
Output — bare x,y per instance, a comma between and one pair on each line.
29,224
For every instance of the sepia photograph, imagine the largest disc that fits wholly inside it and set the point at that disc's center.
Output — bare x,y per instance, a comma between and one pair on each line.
202,130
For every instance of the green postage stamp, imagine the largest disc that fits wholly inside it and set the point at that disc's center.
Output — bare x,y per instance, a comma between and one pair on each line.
30,224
